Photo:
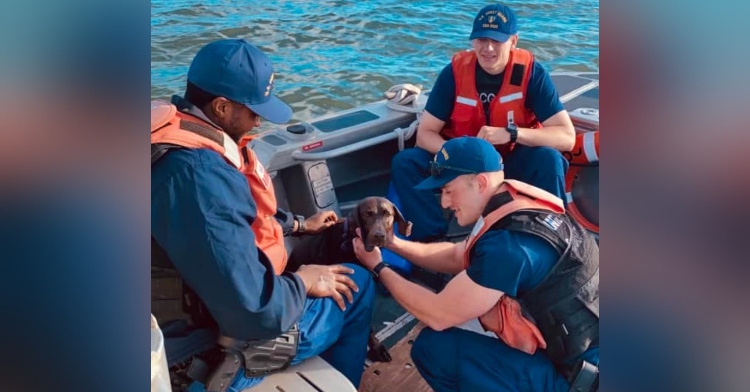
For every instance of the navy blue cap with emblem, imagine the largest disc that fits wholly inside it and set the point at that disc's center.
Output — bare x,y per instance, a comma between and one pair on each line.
237,70
496,22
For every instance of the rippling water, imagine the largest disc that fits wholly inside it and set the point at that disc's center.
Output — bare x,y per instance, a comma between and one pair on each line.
332,55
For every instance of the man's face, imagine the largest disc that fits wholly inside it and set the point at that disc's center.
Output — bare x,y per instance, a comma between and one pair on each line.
462,195
242,120
493,55
234,118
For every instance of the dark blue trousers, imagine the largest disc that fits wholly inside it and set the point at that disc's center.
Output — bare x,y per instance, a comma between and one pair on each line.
338,337
543,167
460,360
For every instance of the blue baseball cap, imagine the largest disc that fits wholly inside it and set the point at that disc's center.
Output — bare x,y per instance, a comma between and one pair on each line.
237,70
496,22
459,156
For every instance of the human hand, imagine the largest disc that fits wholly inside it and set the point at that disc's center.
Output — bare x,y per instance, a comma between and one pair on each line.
328,281
494,135
368,259
320,221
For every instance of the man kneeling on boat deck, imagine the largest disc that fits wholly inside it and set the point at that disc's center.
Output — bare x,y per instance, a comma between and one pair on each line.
213,233
497,92
528,271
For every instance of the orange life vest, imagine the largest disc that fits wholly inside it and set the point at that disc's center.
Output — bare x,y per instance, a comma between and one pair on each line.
506,107
169,126
506,319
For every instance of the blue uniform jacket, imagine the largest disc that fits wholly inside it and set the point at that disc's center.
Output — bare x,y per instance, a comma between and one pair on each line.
201,212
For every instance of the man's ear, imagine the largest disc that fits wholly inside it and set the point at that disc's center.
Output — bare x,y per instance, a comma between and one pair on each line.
483,182
221,107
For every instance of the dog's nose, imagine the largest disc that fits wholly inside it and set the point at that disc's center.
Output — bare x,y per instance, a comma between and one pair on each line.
378,236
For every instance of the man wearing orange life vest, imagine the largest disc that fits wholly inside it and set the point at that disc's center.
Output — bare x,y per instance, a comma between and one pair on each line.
524,251
499,93
213,225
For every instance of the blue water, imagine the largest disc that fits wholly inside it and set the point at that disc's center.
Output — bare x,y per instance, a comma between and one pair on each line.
332,55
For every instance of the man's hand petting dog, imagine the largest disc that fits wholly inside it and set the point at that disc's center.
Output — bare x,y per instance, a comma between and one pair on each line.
328,281
368,259
320,221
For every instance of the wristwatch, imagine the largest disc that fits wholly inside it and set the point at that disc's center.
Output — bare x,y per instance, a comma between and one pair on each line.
378,268
513,131
300,224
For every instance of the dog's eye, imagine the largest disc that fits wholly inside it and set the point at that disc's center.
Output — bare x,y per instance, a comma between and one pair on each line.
369,214
386,213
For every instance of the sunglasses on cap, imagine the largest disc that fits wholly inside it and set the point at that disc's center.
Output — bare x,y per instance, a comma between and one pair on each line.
436,169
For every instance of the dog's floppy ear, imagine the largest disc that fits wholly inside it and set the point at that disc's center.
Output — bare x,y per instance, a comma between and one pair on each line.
353,218
404,226
356,221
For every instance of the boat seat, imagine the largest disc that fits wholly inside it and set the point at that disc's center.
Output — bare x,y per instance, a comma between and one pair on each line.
312,375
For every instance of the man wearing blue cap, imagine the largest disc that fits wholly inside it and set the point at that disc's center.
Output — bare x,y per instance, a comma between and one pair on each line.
497,92
528,272
216,240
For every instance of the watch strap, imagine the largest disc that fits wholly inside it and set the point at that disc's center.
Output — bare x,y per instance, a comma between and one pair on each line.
300,224
378,268
513,130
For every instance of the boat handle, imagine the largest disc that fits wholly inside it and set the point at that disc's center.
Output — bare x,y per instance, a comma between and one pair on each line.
348,149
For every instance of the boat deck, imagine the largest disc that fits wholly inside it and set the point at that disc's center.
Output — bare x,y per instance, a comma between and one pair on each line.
398,375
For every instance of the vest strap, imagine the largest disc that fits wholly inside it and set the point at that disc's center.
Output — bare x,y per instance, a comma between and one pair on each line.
201,130
516,77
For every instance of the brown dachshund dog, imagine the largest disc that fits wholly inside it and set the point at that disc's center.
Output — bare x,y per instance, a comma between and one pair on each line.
375,217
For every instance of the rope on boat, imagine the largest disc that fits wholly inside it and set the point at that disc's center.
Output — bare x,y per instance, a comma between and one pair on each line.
406,98
405,134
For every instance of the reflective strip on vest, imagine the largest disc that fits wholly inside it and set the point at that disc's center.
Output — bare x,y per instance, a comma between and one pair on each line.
466,101
511,97
589,147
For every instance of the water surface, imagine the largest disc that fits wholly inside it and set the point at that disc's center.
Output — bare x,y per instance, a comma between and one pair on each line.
331,54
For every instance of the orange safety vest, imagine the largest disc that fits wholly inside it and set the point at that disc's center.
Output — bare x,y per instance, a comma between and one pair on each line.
506,107
506,318
169,126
